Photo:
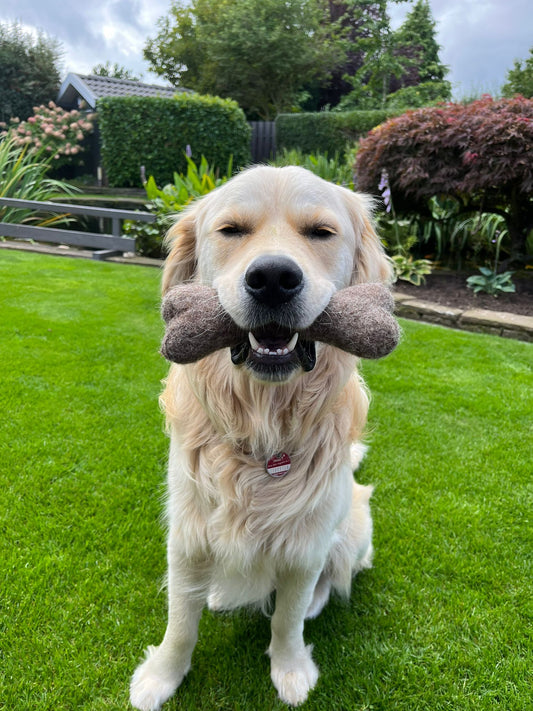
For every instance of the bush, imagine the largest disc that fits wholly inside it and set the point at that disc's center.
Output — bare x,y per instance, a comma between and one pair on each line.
52,133
481,154
332,169
325,132
153,132
24,177
428,93
168,201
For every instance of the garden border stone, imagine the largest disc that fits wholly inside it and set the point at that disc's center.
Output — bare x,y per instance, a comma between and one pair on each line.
497,323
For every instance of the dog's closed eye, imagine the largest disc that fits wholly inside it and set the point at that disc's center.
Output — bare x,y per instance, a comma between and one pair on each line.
319,231
233,230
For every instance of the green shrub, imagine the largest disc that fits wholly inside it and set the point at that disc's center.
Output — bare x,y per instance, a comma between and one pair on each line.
327,131
334,169
414,97
166,202
153,132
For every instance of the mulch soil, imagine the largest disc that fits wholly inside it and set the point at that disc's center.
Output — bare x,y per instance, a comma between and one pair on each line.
450,289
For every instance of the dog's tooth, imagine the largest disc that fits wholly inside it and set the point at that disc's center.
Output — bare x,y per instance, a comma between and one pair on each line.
280,351
254,342
285,351
292,343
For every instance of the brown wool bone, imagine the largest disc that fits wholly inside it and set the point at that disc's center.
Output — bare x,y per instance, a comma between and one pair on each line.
357,320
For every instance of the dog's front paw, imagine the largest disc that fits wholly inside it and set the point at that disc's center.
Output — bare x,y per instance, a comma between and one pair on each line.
155,680
294,680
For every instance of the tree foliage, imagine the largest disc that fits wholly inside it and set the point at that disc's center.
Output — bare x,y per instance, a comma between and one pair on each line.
393,61
416,44
520,79
258,52
276,55
29,72
481,154
115,71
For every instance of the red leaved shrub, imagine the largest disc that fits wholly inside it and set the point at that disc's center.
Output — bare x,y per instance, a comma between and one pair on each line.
480,153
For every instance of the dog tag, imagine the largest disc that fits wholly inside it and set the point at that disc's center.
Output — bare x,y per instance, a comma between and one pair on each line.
278,465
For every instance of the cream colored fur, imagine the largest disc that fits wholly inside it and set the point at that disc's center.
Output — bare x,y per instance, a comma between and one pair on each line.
236,534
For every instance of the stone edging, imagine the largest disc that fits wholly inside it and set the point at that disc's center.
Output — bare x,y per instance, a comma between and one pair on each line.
497,323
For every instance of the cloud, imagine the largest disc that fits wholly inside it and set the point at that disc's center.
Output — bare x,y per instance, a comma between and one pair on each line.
93,32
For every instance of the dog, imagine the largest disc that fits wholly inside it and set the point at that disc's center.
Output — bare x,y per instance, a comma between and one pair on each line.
264,437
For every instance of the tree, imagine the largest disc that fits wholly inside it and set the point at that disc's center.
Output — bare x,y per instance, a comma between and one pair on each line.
114,71
520,80
374,40
481,154
417,46
260,53
29,72
344,27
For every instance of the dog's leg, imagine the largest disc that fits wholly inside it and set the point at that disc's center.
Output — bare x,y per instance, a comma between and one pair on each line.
164,668
320,596
293,671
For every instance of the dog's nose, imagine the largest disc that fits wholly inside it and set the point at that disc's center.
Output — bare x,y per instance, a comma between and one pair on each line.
273,280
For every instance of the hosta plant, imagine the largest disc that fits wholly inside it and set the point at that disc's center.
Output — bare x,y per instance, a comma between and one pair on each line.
490,282
409,269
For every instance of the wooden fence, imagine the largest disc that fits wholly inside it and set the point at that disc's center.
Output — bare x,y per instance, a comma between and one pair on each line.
263,143
105,244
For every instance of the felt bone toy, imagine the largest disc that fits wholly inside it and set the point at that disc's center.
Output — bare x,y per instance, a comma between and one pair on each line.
358,319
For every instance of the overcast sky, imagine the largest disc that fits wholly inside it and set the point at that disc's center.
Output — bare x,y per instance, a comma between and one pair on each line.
480,39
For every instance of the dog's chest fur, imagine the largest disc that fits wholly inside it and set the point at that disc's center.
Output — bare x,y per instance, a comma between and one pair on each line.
223,505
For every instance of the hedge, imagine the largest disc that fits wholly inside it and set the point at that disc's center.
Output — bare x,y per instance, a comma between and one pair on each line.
326,132
154,132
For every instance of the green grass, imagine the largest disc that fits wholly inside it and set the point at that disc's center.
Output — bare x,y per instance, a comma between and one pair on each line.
442,621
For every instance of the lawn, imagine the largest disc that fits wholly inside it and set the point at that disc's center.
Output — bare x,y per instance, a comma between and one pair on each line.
442,621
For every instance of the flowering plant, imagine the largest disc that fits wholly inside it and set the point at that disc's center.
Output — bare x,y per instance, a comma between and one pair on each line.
404,265
52,133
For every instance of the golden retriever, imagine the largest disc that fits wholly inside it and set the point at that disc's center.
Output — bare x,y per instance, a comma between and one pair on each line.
264,437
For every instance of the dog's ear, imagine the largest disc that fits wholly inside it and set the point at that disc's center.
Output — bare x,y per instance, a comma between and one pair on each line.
371,264
180,264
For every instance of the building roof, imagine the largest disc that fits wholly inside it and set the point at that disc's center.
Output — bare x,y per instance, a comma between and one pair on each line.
88,88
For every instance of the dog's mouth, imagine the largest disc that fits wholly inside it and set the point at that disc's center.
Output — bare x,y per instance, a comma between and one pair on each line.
274,352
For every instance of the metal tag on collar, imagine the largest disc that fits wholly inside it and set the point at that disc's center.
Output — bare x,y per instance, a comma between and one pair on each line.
278,465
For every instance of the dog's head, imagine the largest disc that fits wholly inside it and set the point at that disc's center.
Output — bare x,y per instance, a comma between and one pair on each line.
276,244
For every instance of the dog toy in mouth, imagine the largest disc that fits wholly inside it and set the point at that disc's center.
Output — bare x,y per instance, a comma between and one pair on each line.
358,320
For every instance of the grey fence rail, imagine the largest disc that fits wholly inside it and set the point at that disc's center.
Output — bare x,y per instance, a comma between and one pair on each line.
104,244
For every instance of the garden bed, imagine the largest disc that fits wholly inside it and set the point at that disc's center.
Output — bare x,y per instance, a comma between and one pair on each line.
449,288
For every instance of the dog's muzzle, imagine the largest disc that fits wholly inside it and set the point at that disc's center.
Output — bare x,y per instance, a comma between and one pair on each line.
274,349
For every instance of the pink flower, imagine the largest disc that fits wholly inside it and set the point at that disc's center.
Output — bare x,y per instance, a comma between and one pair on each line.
32,119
